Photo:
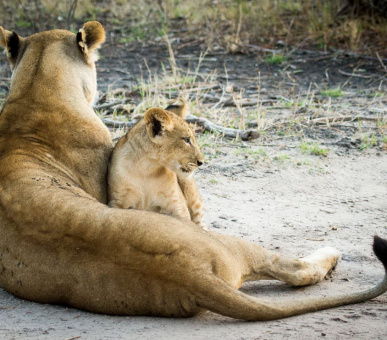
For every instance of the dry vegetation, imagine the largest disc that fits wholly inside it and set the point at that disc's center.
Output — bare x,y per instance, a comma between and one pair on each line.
357,25
291,126
220,104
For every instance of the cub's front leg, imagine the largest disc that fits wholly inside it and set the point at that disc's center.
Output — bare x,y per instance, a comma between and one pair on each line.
193,199
172,203
126,198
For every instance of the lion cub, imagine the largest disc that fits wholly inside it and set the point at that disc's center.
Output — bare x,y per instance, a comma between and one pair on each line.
152,165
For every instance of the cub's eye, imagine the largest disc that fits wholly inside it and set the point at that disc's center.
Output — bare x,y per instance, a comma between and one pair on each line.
187,140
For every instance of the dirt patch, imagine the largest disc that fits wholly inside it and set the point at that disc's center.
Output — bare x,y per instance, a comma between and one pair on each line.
121,66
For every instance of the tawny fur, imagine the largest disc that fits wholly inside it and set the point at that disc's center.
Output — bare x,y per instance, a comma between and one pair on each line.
61,243
154,172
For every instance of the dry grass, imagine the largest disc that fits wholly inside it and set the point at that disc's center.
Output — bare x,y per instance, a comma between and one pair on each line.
206,95
285,117
228,24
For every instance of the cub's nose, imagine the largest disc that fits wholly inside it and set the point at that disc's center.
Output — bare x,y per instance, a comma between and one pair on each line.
199,163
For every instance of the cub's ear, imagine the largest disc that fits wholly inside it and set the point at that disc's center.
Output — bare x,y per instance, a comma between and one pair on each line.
11,41
157,122
178,107
91,36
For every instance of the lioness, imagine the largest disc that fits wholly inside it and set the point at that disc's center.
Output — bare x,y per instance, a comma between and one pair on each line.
61,243
151,166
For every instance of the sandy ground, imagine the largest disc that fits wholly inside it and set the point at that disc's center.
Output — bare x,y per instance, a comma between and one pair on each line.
336,201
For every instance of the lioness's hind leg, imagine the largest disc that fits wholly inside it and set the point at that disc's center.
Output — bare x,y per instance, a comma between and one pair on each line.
308,270
311,269
257,263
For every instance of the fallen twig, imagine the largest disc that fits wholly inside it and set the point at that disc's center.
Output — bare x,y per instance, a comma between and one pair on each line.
336,120
310,52
109,105
355,75
116,124
227,132
124,72
381,62
202,88
340,53
377,110
190,43
259,48
230,101
200,121
323,120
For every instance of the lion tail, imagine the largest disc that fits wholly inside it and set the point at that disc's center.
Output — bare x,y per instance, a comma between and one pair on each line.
219,297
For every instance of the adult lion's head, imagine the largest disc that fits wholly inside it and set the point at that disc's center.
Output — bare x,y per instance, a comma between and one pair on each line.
55,62
48,111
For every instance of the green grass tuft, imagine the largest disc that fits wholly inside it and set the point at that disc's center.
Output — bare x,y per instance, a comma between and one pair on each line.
276,59
334,93
368,142
313,149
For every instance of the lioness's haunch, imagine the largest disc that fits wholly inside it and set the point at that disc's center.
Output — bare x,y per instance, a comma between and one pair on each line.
61,243
151,166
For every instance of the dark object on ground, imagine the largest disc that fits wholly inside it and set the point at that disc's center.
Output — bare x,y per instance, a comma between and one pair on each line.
359,8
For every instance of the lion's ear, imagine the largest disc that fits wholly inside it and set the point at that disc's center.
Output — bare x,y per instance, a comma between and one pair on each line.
157,122
91,36
178,107
3,37
11,41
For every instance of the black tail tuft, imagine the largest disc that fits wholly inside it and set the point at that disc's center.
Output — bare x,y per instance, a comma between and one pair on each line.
380,250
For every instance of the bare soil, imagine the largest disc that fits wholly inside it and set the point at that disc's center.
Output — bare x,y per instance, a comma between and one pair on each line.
269,192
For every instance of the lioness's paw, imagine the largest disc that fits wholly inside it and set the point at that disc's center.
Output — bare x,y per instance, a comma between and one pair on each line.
324,254
326,258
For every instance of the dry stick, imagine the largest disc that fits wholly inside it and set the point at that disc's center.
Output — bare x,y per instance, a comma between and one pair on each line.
115,124
123,72
239,22
323,120
205,123
38,13
229,101
109,105
332,120
226,101
202,88
227,132
181,86
355,75
190,43
381,62
377,110
341,53
303,51
260,49
71,12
